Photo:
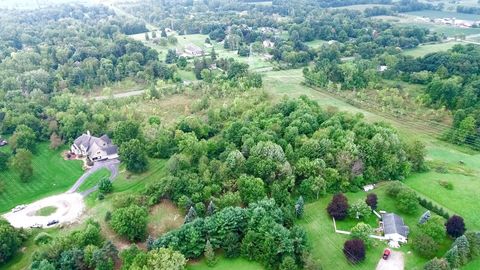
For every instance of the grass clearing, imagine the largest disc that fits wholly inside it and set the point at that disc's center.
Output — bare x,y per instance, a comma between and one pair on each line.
423,50
437,14
51,175
46,211
226,264
164,217
94,179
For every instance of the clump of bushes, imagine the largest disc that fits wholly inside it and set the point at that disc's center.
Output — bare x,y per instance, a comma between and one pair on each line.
446,184
42,238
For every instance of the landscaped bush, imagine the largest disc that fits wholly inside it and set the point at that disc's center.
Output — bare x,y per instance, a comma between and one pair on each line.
407,201
446,184
455,226
394,188
42,238
338,207
425,246
354,250
437,264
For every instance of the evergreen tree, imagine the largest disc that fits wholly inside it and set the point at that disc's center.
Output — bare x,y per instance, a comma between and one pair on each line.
164,33
437,264
191,215
147,37
453,257
210,254
154,34
150,241
211,208
299,207
213,55
463,249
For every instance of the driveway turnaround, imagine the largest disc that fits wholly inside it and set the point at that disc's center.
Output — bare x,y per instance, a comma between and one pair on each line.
394,262
69,208
69,205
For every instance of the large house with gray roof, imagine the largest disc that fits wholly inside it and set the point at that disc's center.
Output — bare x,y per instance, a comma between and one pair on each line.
394,229
94,148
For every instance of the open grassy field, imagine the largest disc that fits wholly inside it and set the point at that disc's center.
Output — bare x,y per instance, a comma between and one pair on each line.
423,50
51,175
164,217
444,14
93,179
316,43
362,7
226,264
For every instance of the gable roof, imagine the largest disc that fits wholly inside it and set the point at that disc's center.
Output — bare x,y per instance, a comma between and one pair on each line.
90,142
393,223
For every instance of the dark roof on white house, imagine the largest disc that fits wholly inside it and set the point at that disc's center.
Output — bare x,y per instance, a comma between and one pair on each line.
393,223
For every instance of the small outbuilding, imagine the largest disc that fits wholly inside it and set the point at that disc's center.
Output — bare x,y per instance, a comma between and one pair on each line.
394,229
3,142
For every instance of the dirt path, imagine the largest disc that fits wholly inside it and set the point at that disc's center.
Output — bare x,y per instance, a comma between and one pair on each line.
396,261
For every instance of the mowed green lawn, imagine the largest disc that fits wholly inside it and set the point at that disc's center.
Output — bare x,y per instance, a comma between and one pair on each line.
327,245
94,179
226,264
51,175
463,173
423,50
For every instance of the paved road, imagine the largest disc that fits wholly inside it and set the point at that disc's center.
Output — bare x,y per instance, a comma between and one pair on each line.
394,262
111,165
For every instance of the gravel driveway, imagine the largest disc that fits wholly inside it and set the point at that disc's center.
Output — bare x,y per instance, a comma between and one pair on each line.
70,205
394,262
69,208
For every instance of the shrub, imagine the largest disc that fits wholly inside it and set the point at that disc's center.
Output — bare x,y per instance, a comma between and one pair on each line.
437,264
434,228
455,226
362,231
407,201
360,209
354,250
446,184
372,200
338,207
394,188
425,246
105,186
42,238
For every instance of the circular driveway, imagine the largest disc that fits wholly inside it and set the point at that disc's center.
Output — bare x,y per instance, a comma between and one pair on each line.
69,208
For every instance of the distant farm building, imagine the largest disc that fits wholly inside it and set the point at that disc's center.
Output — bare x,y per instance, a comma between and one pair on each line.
191,50
94,148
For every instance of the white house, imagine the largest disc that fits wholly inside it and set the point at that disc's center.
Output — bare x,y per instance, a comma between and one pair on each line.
94,148
394,229
268,44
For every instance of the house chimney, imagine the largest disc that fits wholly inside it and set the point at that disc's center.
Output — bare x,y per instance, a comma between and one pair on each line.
88,132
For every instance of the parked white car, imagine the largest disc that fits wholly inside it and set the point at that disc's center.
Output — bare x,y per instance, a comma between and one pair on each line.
36,225
18,208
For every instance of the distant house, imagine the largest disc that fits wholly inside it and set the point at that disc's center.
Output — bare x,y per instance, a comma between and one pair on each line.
268,44
193,50
94,148
3,142
382,68
394,229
